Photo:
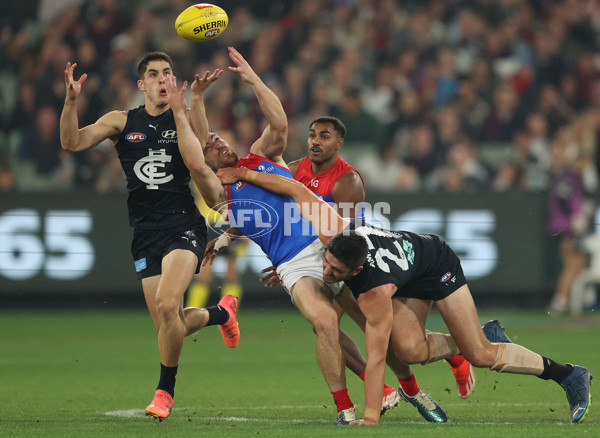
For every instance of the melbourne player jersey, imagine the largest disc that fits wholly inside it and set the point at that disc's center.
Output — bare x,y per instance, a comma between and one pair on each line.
271,220
157,178
322,184
395,257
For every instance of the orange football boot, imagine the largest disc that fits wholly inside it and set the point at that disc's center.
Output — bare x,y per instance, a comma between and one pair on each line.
230,329
161,405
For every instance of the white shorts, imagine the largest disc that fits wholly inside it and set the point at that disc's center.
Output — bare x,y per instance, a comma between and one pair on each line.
307,263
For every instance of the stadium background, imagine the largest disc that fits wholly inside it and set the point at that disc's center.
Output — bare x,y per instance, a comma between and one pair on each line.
451,108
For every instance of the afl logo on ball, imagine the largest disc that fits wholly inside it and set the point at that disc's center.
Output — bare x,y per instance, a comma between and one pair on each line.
135,137
446,277
212,33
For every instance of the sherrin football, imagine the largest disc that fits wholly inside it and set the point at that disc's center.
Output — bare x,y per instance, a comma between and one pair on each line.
201,22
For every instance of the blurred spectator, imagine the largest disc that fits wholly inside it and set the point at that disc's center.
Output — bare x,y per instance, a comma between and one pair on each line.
386,172
568,219
421,153
448,129
508,176
464,172
365,129
447,85
504,117
473,109
40,151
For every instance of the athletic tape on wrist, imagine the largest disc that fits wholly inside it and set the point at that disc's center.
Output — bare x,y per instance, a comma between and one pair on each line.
222,242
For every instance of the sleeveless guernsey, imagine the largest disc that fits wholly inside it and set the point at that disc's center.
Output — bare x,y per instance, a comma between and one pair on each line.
322,184
157,178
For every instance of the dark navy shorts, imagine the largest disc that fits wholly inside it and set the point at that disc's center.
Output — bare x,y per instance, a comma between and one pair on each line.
149,247
443,277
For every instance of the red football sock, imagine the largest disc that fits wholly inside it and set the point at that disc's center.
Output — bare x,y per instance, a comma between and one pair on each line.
455,361
342,400
410,386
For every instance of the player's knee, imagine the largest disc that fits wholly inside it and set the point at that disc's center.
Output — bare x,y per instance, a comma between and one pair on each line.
167,308
326,327
409,351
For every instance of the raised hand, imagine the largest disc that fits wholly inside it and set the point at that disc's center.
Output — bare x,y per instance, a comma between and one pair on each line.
175,95
73,87
200,84
242,67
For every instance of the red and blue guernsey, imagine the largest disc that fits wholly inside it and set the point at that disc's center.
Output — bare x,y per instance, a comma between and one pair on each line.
272,221
322,184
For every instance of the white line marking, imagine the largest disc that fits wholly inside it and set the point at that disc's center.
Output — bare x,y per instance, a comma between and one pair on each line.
140,413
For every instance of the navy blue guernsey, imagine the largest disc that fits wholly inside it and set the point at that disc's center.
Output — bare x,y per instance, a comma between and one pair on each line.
395,257
157,178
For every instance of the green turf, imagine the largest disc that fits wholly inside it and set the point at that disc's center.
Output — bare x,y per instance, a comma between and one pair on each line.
73,374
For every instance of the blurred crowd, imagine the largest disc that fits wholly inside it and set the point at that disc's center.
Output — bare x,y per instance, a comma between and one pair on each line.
451,95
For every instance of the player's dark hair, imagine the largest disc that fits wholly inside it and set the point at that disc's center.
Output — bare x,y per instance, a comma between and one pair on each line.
337,124
350,248
152,56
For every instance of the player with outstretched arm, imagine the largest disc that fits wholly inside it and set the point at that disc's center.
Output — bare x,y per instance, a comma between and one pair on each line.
395,276
169,234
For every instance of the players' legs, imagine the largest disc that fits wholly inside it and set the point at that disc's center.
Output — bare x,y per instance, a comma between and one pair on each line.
353,357
409,338
352,353
460,315
313,299
164,297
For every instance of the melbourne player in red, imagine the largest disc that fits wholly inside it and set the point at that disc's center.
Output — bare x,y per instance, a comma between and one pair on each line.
331,178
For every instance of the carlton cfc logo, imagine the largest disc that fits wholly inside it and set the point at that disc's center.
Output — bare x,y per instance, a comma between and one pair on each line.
135,137
150,169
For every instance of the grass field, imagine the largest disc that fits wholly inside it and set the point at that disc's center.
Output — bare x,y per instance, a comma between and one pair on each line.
73,374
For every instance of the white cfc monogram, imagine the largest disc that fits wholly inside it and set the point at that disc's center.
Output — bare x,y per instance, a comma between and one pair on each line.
150,169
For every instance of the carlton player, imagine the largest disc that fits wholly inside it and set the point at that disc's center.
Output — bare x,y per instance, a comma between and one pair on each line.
169,233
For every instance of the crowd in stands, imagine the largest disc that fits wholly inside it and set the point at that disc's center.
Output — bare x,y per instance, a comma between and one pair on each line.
452,95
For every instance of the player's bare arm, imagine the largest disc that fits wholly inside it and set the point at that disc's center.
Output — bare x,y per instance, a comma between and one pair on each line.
273,140
209,185
320,214
348,193
376,305
71,137
197,112
293,166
